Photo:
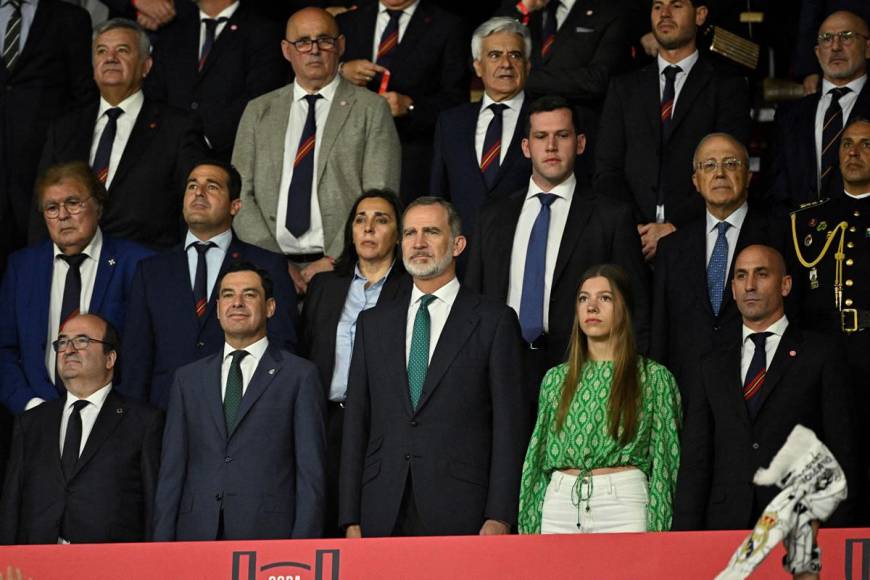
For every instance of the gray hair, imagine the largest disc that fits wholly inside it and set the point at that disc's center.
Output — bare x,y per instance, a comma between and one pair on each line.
729,137
453,218
113,23
500,24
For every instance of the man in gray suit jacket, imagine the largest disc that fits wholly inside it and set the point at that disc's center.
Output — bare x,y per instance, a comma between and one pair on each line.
244,442
299,180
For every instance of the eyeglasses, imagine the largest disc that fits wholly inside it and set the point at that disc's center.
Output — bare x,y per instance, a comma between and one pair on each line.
847,37
79,342
325,43
711,165
72,205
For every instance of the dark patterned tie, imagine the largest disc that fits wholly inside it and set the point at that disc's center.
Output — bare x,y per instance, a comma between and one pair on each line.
418,356
200,278
211,25
717,268
298,219
668,97
389,39
233,393
532,299
550,28
754,380
72,288
72,440
12,37
104,147
831,131
490,159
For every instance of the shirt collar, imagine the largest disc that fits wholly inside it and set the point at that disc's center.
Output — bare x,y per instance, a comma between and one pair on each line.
856,85
222,240
564,190
514,103
777,328
132,104
735,218
92,249
408,10
255,350
327,92
686,64
97,398
857,195
225,13
358,275
446,293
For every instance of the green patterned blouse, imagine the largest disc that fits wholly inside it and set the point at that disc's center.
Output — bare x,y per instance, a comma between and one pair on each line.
584,442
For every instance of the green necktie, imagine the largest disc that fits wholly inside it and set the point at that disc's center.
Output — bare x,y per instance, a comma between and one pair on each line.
418,358
233,394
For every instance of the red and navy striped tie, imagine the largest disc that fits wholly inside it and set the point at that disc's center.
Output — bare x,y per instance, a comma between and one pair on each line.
298,219
754,380
491,156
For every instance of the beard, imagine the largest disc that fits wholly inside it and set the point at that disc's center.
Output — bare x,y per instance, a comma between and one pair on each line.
429,270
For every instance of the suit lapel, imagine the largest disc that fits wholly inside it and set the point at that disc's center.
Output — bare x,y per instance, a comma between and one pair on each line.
699,77
225,41
105,271
234,253
514,152
470,122
277,117
52,432
40,293
35,38
111,415
461,322
503,239
651,98
781,363
696,263
189,54
140,139
807,139
339,110
268,368
728,384
861,107
578,215
211,392
391,338
416,30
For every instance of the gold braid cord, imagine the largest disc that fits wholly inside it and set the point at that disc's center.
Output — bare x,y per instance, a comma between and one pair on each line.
838,256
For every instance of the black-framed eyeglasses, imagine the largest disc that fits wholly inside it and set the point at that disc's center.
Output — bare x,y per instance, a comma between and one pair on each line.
72,205
79,342
730,165
847,37
325,43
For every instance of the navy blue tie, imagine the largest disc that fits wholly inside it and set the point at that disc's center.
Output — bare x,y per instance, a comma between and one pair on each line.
755,374
717,269
490,159
211,25
532,300
299,196
550,28
831,131
104,148
389,39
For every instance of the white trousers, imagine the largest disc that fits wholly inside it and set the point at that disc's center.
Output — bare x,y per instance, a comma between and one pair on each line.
616,502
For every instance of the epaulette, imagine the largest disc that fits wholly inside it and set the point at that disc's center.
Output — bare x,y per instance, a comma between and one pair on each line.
810,205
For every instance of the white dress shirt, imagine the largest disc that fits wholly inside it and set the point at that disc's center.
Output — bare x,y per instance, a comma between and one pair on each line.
439,310
131,106
88,413
847,103
225,13
509,118
857,195
558,218
770,345
88,271
311,241
214,258
562,11
736,219
248,365
384,18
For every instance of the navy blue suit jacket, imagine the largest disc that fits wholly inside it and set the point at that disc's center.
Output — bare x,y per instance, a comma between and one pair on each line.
24,301
163,333
456,167
266,475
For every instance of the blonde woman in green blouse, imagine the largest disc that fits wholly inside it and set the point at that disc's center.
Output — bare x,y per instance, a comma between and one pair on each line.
605,450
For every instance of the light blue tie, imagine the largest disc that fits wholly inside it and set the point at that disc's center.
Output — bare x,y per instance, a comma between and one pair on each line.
418,357
532,299
717,269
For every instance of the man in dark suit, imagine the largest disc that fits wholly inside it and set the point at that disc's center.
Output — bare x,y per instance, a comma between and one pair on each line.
693,311
78,270
244,445
531,249
212,60
435,425
477,155
424,49
142,151
171,314
654,118
99,486
45,74
806,167
742,409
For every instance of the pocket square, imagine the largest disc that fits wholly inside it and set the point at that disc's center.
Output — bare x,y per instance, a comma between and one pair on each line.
584,29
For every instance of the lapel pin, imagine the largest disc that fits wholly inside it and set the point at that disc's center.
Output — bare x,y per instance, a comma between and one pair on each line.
235,255
343,103
119,411
234,27
271,371
590,12
792,353
111,261
152,125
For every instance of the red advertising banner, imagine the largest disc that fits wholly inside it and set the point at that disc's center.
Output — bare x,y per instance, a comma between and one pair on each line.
845,554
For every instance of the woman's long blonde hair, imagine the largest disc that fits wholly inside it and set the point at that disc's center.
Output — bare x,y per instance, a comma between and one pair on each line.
622,408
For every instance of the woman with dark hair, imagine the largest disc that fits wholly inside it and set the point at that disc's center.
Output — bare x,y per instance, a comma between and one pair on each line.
605,450
368,272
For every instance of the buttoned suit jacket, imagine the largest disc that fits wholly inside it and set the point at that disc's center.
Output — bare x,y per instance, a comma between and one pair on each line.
25,295
266,475
631,154
456,172
162,331
807,383
110,495
359,150
147,189
244,63
463,445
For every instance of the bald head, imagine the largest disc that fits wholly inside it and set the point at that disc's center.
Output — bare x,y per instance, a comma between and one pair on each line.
759,286
313,45
843,59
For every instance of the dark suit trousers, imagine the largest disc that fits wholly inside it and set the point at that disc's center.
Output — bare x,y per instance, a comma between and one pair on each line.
409,522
